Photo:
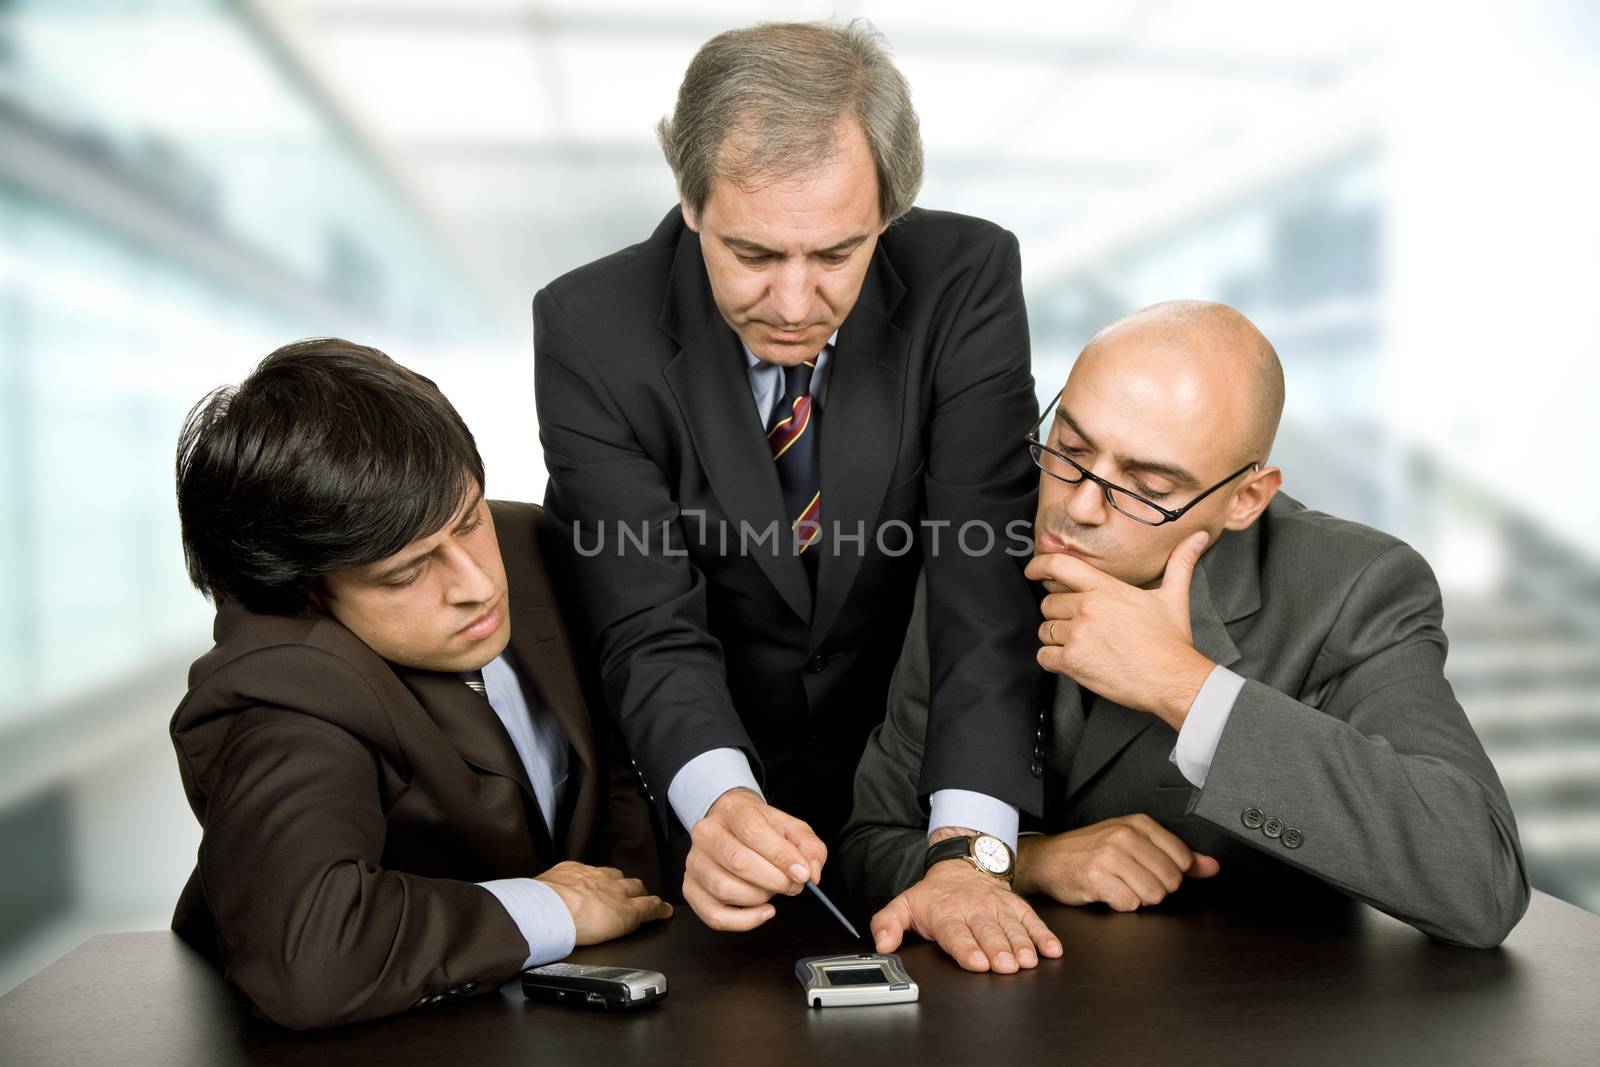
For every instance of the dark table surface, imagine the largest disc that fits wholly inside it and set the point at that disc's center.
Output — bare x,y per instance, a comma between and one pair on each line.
1195,980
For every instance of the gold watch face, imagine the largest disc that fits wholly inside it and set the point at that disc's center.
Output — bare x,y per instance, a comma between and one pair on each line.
992,855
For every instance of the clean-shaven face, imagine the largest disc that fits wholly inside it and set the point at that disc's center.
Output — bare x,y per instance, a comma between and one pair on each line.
439,604
786,260
1150,424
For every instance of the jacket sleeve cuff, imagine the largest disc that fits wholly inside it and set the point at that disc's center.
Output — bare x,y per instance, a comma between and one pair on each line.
540,914
699,783
974,811
1202,729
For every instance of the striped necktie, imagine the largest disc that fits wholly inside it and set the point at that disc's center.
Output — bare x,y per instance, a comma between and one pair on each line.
795,443
474,682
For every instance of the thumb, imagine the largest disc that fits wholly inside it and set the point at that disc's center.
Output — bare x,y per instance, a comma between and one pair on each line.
1203,866
1181,564
652,908
889,925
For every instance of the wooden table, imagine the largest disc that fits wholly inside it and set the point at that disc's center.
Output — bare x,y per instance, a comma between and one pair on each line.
1196,980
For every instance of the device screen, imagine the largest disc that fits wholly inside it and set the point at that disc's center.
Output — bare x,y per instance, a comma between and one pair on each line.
856,976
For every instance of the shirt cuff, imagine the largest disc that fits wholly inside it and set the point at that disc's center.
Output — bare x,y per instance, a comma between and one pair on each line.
974,811
1202,729
540,914
699,783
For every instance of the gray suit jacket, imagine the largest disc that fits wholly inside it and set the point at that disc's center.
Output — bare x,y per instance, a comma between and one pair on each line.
1345,731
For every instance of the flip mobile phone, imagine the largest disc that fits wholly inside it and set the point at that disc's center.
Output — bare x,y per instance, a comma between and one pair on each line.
588,986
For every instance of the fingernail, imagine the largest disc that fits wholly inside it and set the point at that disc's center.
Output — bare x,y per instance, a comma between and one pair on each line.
799,873
768,912
816,872
1005,960
882,940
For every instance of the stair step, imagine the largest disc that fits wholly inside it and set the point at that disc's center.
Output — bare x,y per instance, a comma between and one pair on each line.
1567,837
1469,618
1543,769
1531,705
1507,663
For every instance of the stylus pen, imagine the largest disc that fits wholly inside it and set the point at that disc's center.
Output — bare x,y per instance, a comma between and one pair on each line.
837,914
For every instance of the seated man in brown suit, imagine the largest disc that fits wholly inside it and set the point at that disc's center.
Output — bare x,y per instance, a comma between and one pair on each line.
399,782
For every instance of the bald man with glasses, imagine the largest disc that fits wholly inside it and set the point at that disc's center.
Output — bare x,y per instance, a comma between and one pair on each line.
1236,688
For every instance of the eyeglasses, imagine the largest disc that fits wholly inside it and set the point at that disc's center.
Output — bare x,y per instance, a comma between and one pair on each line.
1125,501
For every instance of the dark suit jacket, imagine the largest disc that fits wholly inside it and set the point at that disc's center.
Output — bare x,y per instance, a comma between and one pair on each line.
348,805
647,420
1346,732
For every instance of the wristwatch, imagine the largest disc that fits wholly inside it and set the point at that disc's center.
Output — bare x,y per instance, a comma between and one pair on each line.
990,855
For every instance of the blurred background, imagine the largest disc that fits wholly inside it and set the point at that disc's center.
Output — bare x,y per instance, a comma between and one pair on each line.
1402,196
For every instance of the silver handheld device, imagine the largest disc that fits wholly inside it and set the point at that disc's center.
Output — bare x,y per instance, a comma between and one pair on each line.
589,986
855,978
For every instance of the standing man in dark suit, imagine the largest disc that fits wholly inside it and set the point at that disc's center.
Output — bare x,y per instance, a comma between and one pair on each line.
388,750
1271,715
759,424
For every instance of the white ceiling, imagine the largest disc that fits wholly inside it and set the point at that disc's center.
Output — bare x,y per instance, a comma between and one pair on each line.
526,128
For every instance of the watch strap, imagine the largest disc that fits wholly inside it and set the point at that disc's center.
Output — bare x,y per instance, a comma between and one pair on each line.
951,848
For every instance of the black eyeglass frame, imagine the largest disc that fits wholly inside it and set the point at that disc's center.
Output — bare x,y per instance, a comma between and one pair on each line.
1036,446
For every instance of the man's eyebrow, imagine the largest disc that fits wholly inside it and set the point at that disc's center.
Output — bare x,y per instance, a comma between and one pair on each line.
1066,416
407,564
400,568
471,509
1184,479
1127,463
751,248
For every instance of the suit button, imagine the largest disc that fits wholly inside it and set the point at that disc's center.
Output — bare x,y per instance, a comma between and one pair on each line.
1252,818
470,987
816,664
1036,769
1293,838
1038,753
1273,827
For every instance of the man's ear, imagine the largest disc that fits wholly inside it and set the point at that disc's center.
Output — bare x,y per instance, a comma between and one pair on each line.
1250,501
690,219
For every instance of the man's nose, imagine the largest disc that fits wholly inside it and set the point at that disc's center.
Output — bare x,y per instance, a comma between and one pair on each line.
469,583
1086,504
791,293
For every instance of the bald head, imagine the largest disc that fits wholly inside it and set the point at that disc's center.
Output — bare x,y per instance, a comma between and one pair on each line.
1197,356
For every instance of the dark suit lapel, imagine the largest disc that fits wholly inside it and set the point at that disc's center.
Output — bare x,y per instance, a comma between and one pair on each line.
537,643
543,657
860,432
1112,727
468,722
545,669
710,380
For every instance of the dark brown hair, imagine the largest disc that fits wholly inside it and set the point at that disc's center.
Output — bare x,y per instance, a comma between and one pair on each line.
329,455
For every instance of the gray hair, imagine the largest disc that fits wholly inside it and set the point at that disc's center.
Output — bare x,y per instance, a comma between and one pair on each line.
782,88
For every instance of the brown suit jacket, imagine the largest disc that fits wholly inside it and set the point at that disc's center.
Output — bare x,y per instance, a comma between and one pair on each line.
348,805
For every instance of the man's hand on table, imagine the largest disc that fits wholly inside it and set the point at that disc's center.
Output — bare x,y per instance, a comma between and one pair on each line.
744,852
975,917
1126,862
604,904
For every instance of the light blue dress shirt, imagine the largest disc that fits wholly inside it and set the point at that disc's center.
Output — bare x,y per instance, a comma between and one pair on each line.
542,745
1197,741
